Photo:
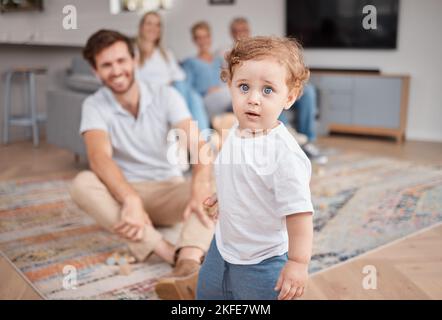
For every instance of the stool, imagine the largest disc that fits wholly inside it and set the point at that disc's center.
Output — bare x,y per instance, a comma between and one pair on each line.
32,118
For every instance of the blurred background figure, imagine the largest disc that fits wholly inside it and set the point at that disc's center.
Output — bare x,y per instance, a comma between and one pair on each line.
239,28
158,65
203,72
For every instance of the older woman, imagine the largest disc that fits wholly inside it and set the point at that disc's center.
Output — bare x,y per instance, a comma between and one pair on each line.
203,72
158,65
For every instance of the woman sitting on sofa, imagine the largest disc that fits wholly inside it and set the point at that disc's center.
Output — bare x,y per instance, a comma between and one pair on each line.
158,65
203,72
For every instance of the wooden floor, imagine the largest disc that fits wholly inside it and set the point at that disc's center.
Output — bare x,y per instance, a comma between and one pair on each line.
22,160
409,268
416,151
12,285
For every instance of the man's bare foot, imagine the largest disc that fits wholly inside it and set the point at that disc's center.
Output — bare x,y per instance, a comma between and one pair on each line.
166,251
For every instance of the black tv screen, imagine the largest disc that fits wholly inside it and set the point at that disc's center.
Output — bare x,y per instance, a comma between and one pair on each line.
339,23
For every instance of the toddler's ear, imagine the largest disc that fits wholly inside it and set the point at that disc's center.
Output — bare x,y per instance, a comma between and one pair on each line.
291,98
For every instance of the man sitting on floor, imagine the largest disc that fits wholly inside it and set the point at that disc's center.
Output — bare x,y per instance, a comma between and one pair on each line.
132,186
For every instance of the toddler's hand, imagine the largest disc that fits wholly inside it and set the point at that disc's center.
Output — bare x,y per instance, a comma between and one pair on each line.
211,206
292,280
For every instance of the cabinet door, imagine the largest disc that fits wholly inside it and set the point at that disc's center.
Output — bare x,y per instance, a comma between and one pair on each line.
338,107
377,102
336,95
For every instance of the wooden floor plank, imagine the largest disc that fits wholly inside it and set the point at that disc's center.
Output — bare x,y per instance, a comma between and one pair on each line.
13,285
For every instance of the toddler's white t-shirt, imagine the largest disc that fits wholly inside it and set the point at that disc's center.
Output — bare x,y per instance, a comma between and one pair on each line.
259,182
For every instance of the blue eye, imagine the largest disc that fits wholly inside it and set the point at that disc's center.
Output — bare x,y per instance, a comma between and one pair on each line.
244,88
267,90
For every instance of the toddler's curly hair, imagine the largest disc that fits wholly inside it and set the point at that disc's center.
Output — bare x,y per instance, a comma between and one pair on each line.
286,51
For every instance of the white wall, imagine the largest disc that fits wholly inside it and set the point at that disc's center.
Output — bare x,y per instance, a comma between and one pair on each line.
46,27
266,18
418,54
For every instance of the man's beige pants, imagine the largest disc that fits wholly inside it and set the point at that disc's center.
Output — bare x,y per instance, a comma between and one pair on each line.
164,201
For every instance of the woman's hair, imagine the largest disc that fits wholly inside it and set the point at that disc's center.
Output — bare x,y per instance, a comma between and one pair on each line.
103,39
286,51
200,25
140,38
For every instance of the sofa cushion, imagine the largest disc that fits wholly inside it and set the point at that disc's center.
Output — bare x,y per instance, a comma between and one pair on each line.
79,65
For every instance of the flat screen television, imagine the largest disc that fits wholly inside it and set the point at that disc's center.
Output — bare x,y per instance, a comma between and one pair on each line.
339,23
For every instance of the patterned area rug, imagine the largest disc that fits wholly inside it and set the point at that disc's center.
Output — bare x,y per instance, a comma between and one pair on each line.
361,203
364,202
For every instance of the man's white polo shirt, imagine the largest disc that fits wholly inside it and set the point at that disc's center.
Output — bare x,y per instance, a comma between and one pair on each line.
139,144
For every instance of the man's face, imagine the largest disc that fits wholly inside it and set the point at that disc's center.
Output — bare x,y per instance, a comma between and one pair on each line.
240,30
115,67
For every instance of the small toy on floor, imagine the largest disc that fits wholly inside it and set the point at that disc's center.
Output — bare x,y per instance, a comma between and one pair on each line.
118,258
125,269
319,170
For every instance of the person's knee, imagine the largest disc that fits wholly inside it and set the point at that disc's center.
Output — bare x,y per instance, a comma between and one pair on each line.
80,185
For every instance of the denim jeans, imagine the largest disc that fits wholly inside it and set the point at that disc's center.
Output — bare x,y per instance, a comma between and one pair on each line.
283,118
195,104
220,280
305,109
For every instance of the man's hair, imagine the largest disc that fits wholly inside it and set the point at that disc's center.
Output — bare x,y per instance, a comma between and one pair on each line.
103,39
200,25
286,51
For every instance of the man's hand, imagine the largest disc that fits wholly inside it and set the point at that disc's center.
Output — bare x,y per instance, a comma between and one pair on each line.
195,205
292,280
133,219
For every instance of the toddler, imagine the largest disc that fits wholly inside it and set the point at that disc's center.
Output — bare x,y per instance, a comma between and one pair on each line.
264,230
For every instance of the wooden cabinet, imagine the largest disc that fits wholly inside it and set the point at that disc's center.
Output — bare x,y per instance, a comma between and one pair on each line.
360,103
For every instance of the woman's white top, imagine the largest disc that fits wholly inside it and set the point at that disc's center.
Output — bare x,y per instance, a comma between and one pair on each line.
156,69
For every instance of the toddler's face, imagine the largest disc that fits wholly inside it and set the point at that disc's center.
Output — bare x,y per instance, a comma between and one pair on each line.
260,93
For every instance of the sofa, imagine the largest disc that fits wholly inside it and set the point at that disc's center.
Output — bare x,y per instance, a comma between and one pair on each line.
64,106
